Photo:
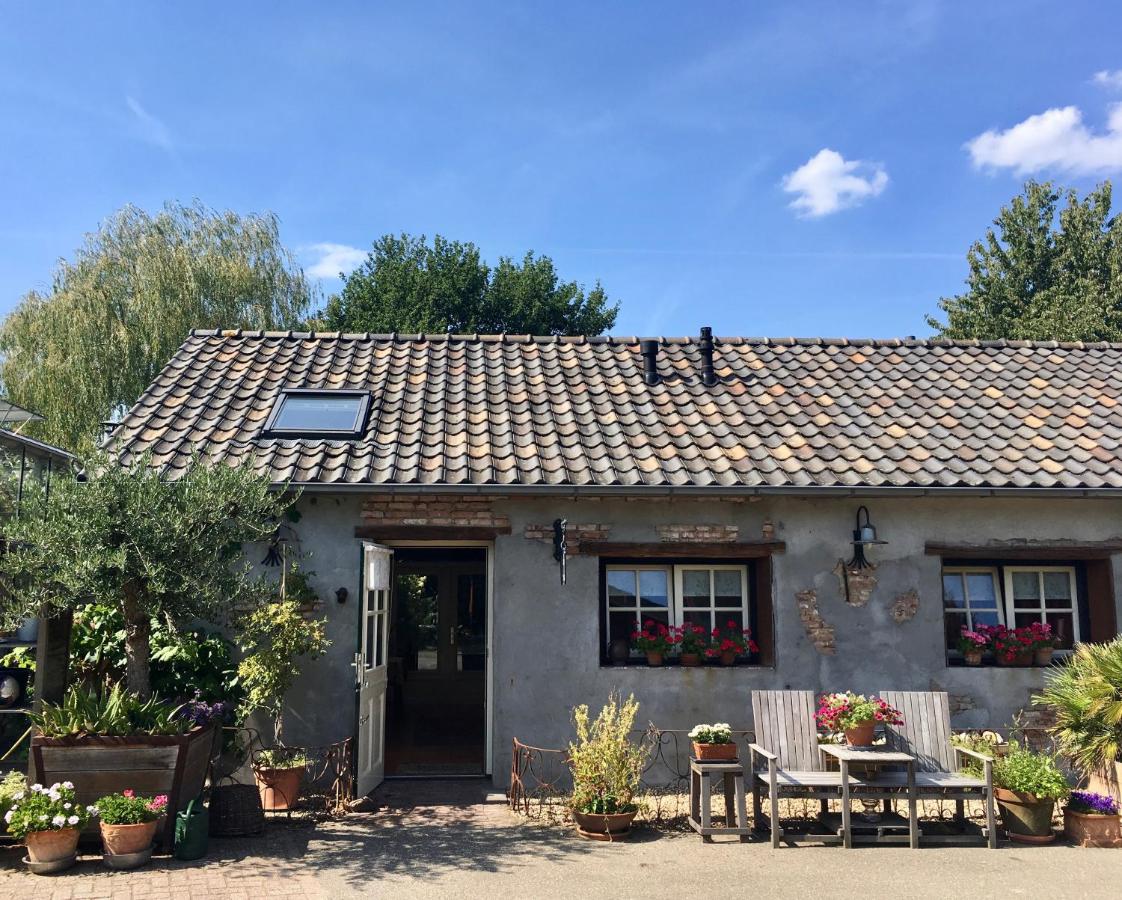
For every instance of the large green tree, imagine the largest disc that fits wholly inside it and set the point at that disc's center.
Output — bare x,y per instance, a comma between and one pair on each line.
150,548
408,284
118,310
1043,272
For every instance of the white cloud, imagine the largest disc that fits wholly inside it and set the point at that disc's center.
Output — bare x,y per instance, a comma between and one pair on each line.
1112,80
150,128
331,259
1053,139
827,183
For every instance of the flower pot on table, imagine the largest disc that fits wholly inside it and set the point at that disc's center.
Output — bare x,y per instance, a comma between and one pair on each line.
861,734
714,752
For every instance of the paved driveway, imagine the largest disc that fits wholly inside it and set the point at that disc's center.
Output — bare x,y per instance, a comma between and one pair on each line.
420,845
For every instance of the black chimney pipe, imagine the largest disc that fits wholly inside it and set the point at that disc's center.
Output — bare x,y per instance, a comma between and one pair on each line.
705,344
649,349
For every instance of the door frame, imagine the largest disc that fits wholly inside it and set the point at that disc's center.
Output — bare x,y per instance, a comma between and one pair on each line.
489,568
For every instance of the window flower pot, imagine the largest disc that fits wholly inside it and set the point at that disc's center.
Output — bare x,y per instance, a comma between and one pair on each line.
711,752
654,658
862,734
728,658
54,846
1019,659
1025,817
972,659
279,788
1042,656
610,827
690,659
1089,830
120,840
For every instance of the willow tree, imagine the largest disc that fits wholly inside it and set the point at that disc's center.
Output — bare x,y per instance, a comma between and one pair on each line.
118,310
151,548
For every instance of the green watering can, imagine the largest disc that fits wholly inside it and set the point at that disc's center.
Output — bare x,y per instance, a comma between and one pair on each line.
192,829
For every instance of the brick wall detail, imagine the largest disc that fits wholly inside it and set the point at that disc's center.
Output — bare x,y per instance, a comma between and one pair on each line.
575,534
860,583
433,509
698,534
821,633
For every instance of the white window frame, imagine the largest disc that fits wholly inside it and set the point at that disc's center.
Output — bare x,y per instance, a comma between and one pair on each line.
674,608
962,572
1043,609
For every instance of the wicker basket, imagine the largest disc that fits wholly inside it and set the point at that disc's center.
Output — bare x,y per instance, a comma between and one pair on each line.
235,810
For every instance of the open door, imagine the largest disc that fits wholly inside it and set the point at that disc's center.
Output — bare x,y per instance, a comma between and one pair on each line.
371,668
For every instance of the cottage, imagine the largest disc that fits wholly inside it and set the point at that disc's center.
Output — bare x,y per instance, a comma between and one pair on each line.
489,517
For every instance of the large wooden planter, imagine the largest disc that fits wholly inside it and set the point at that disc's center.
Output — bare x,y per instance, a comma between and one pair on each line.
175,765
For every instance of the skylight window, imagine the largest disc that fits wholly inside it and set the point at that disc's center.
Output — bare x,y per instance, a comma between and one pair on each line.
312,413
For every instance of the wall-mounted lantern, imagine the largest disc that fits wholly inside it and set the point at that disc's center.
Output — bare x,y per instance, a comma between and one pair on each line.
864,535
560,545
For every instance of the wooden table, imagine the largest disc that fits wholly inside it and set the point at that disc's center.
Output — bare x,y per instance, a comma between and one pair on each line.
873,757
731,774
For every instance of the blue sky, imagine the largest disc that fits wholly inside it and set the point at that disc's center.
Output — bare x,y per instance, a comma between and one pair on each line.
766,168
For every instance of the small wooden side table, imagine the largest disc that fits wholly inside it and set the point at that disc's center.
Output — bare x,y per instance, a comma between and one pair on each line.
732,780
873,757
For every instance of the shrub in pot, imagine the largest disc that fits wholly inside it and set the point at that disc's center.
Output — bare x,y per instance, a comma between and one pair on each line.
1091,820
654,640
128,825
48,820
1027,785
731,643
713,742
1082,695
606,765
856,716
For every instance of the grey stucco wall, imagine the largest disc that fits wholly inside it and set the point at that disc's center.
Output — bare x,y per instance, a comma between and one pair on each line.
545,650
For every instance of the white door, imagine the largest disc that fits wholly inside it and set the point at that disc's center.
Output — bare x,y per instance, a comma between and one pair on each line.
370,663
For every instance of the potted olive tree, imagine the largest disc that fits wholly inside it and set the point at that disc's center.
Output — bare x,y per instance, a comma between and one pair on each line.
606,765
277,638
1027,785
1082,694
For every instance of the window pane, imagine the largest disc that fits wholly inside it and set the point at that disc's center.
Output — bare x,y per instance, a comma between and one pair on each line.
378,622
698,617
653,588
368,655
730,623
1026,586
622,624
1062,629
979,586
1024,619
695,587
621,587
1057,590
726,587
317,413
953,625
984,617
953,598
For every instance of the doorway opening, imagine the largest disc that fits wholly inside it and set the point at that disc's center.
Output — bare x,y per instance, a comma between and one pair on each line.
436,701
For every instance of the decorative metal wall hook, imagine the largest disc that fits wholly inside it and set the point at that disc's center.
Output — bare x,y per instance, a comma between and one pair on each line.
560,544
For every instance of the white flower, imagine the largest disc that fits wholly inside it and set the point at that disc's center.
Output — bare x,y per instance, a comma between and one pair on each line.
92,810
66,805
18,796
73,820
37,787
43,818
59,821
69,785
8,816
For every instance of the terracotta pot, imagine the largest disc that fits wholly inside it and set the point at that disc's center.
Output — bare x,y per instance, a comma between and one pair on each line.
620,652
973,659
690,659
1042,656
1021,659
51,846
714,751
1092,831
728,658
280,788
121,839
596,827
654,658
1025,816
861,735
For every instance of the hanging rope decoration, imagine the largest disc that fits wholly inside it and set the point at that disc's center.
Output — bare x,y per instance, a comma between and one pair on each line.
560,545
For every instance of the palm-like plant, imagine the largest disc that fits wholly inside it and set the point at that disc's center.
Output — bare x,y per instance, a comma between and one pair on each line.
1086,696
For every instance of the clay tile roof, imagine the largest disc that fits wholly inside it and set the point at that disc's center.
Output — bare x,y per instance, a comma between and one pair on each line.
575,411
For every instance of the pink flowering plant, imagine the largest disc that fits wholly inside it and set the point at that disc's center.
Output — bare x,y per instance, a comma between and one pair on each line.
47,809
1042,637
840,712
653,638
126,808
690,638
972,641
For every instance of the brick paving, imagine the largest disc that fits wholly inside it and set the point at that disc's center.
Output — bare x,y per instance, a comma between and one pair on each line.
440,839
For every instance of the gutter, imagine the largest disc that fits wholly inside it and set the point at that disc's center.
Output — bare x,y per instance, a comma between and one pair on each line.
714,492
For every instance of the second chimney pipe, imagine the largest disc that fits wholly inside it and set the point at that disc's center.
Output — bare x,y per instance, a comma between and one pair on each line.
649,349
705,344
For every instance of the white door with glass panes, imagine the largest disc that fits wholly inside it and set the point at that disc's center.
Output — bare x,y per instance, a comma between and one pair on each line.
371,665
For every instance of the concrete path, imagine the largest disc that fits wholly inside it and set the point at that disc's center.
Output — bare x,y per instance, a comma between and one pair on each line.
441,840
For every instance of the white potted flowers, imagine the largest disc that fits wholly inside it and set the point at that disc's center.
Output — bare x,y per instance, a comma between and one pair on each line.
49,821
713,742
